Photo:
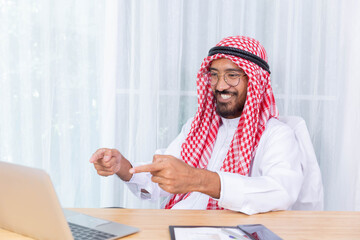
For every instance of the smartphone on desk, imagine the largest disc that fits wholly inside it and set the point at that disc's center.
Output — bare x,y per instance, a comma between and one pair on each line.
258,232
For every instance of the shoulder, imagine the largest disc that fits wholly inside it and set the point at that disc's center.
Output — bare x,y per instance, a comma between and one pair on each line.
278,149
277,133
275,127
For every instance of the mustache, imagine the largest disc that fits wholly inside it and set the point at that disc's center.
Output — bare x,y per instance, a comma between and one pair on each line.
224,92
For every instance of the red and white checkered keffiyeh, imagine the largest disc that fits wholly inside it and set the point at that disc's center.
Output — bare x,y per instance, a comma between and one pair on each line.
259,108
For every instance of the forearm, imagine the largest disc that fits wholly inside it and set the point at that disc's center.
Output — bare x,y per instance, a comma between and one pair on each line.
208,182
252,195
123,173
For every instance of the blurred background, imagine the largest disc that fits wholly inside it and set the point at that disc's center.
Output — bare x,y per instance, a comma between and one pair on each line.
79,75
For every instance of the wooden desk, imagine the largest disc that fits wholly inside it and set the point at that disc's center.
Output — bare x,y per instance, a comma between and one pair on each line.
154,223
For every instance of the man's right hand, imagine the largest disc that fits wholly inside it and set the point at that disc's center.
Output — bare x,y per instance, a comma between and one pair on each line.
110,161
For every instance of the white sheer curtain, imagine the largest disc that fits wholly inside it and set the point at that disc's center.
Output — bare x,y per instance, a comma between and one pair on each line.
51,55
76,76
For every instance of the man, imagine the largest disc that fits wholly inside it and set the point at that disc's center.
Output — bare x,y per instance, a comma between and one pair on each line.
234,154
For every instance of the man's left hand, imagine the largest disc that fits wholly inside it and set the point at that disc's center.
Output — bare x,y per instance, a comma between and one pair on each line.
172,174
176,177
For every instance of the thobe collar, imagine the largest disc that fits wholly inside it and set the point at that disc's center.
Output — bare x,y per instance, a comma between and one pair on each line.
230,123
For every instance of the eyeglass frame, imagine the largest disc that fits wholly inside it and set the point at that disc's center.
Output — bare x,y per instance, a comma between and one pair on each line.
241,73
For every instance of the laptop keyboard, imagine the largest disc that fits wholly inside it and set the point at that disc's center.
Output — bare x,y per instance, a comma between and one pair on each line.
85,233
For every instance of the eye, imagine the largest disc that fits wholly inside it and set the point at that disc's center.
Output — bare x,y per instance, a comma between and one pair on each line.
234,75
213,74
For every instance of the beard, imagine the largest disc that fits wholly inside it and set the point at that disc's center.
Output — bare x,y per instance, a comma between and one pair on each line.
229,109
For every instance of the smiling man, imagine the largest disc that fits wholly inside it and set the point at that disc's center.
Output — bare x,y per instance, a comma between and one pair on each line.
234,154
230,94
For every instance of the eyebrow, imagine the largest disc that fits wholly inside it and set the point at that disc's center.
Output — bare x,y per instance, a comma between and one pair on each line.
228,69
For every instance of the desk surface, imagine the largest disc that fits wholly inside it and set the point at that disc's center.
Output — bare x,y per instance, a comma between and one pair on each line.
153,223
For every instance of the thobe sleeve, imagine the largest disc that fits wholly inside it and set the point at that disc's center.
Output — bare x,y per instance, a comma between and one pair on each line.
276,177
141,185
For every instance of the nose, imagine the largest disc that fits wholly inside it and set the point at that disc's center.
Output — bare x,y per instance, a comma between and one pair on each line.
221,84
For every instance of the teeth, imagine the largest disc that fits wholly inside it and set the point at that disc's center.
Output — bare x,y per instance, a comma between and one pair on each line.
225,96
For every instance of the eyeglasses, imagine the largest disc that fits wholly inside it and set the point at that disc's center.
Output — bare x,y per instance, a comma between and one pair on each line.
231,78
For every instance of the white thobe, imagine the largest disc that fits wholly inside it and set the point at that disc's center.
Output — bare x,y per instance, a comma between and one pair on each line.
274,182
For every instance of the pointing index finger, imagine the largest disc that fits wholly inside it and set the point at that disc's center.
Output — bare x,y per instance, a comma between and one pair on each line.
153,167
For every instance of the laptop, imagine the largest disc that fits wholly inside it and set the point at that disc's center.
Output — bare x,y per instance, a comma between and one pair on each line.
29,206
